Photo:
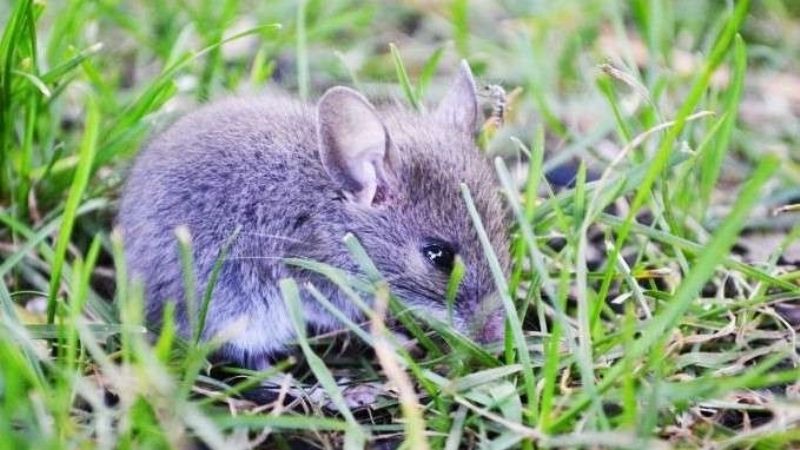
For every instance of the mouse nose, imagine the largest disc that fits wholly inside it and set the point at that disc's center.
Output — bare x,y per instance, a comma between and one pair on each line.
494,329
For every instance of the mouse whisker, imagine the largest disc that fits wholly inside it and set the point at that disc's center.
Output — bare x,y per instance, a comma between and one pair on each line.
410,285
231,258
275,236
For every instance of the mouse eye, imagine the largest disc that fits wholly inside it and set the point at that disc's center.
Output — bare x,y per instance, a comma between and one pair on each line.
440,254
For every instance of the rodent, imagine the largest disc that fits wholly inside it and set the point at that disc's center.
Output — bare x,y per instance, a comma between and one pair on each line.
294,178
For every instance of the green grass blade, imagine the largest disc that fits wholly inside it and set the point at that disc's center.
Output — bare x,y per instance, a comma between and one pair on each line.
212,282
427,72
291,296
402,77
302,50
711,165
508,304
86,156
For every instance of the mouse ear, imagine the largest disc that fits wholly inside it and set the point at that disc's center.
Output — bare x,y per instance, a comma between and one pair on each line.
354,146
459,107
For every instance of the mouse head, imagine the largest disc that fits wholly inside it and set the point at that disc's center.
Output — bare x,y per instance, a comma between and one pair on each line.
400,175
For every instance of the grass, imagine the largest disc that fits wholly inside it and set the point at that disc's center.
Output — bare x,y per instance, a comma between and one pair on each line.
634,318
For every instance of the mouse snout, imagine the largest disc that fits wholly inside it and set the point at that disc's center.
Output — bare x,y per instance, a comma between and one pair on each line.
493,330
489,326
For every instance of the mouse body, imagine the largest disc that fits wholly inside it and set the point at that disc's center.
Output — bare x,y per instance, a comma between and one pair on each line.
294,178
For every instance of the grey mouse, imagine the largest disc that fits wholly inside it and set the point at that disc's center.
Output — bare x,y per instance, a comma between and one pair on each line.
294,179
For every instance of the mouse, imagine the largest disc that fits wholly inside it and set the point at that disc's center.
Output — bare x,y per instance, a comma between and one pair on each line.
290,179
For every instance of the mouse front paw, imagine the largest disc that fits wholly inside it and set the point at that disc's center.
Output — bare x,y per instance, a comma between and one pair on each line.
362,395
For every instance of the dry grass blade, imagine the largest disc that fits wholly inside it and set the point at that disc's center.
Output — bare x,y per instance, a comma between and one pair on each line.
412,411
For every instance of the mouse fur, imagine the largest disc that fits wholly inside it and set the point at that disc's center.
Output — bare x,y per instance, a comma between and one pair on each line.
294,178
